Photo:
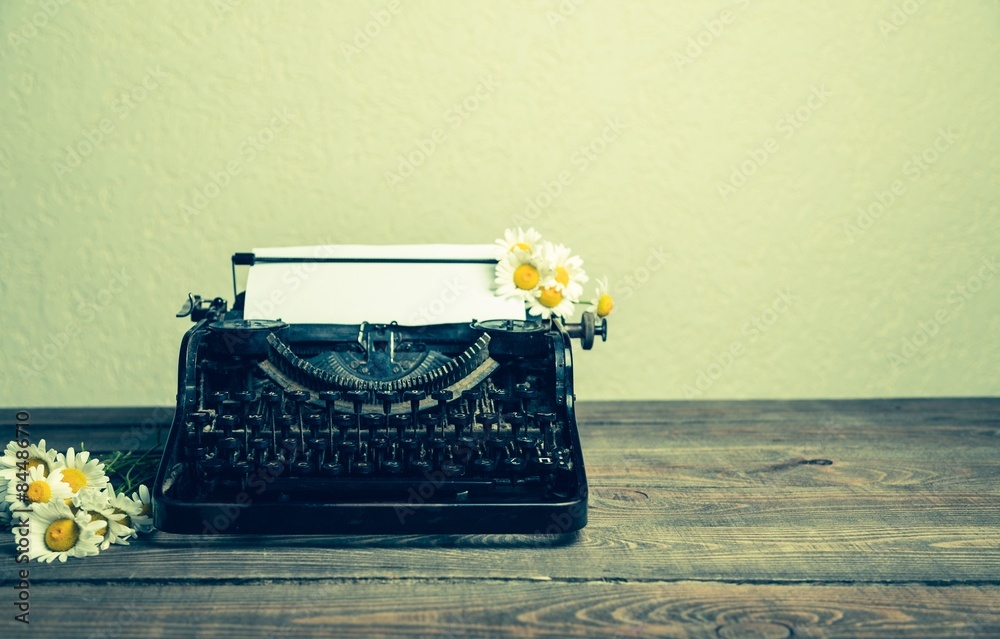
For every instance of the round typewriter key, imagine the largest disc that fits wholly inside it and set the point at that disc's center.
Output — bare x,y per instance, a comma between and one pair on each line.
451,469
414,396
421,466
371,422
227,423
362,467
290,449
392,467
199,420
514,465
242,468
387,398
284,423
343,422
465,446
398,423
332,469
461,422
347,449
272,468
301,468
516,421
255,423
218,398
486,420
314,422
484,466
245,398
329,396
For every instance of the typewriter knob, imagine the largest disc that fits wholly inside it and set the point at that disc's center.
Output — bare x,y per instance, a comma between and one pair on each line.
587,329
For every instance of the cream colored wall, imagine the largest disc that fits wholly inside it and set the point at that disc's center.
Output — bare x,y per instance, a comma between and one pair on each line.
738,152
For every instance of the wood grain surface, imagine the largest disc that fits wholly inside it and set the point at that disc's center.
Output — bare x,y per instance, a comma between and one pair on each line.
874,518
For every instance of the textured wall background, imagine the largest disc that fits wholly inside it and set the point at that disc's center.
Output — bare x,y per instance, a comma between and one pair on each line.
793,199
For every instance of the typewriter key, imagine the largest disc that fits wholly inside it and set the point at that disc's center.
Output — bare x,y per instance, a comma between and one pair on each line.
442,397
343,421
472,397
314,424
227,423
516,421
484,466
371,422
199,420
387,398
329,398
460,421
428,421
414,397
486,420
285,425
217,400
254,425
332,469
399,422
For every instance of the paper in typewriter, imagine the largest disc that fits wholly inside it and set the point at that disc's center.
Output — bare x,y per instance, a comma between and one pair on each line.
426,289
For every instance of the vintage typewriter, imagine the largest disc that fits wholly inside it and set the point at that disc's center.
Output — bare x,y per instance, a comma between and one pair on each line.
312,406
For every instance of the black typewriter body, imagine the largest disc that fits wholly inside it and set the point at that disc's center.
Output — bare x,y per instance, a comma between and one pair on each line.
372,428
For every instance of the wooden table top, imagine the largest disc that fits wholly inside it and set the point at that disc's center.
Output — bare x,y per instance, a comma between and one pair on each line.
756,519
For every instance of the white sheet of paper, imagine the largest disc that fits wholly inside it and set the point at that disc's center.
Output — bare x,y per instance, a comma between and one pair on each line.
412,294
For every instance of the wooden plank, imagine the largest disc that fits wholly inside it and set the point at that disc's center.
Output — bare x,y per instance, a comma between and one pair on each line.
787,536
715,490
504,607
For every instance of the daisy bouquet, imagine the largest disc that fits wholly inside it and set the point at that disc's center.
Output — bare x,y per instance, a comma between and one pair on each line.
546,276
67,503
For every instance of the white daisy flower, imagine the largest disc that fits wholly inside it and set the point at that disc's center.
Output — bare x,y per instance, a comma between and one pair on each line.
567,271
98,506
41,488
519,273
79,471
550,302
54,532
125,506
38,455
516,240
603,304
143,521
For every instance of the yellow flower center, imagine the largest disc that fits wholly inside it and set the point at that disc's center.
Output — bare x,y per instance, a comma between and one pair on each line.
520,246
39,492
526,277
61,535
144,510
550,297
126,520
75,478
96,515
605,305
562,276
35,462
